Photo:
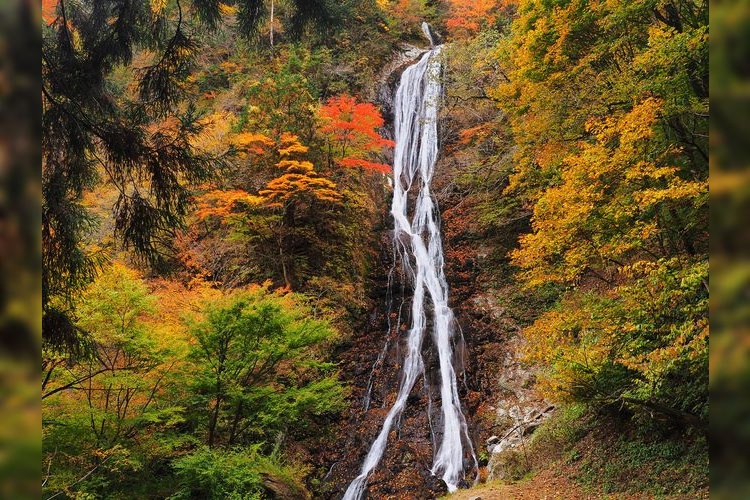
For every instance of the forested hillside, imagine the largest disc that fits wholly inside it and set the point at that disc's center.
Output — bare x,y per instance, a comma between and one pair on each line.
225,311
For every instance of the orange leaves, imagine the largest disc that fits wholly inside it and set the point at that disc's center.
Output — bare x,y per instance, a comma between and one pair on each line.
473,134
296,166
367,165
408,13
468,16
292,185
347,120
299,180
221,204
49,11
290,145
251,142
350,128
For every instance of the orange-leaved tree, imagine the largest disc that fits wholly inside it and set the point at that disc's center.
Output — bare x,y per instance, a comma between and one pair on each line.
221,204
299,192
350,129
299,180
280,223
469,16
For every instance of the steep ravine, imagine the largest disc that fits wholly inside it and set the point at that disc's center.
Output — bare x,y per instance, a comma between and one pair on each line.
369,362
369,365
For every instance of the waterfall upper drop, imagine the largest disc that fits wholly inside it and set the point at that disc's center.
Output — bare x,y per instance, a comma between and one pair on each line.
419,248
427,30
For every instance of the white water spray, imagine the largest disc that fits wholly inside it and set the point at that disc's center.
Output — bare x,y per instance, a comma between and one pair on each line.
420,248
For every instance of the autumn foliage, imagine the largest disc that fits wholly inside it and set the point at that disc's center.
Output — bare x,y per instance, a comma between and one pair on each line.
351,130
299,180
469,16
610,120
49,8
614,200
174,372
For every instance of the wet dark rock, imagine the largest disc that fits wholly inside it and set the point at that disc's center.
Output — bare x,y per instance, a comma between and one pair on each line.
436,485
404,469
389,79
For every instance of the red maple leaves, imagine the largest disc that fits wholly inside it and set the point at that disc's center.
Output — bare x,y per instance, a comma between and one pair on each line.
351,130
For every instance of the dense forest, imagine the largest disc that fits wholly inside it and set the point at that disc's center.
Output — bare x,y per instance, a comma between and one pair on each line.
218,274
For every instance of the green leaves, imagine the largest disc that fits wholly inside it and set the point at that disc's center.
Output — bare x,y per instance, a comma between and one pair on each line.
250,369
259,366
235,474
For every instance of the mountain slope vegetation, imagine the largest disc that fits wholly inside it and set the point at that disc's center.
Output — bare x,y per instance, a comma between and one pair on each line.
215,194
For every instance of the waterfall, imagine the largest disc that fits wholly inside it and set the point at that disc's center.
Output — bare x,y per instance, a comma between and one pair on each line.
419,247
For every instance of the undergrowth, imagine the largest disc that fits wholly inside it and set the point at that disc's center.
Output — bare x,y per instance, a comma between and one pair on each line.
620,455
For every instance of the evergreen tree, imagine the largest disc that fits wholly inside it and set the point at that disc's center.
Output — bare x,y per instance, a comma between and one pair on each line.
139,140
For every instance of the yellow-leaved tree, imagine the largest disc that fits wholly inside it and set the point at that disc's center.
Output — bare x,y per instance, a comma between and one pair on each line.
620,229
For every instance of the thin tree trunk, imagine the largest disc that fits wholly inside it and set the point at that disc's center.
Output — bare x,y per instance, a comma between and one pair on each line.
235,423
212,422
284,271
271,34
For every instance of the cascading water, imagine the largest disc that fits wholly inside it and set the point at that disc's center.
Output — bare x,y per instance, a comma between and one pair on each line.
419,247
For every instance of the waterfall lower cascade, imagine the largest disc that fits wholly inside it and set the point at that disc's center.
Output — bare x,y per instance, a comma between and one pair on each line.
419,247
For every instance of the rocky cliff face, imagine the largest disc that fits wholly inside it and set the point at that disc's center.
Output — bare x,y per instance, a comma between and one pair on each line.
494,386
503,407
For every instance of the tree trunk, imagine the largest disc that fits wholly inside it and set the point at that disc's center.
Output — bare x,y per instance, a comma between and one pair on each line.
212,422
271,34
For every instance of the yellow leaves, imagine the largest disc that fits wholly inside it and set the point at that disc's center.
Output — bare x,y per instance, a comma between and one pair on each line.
668,47
548,155
677,190
230,67
245,139
601,209
296,166
219,203
227,10
638,268
632,127
651,327
644,169
637,125
292,149
567,341
216,129
176,301
609,138
291,185
250,142
689,344
291,145
158,6
299,180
